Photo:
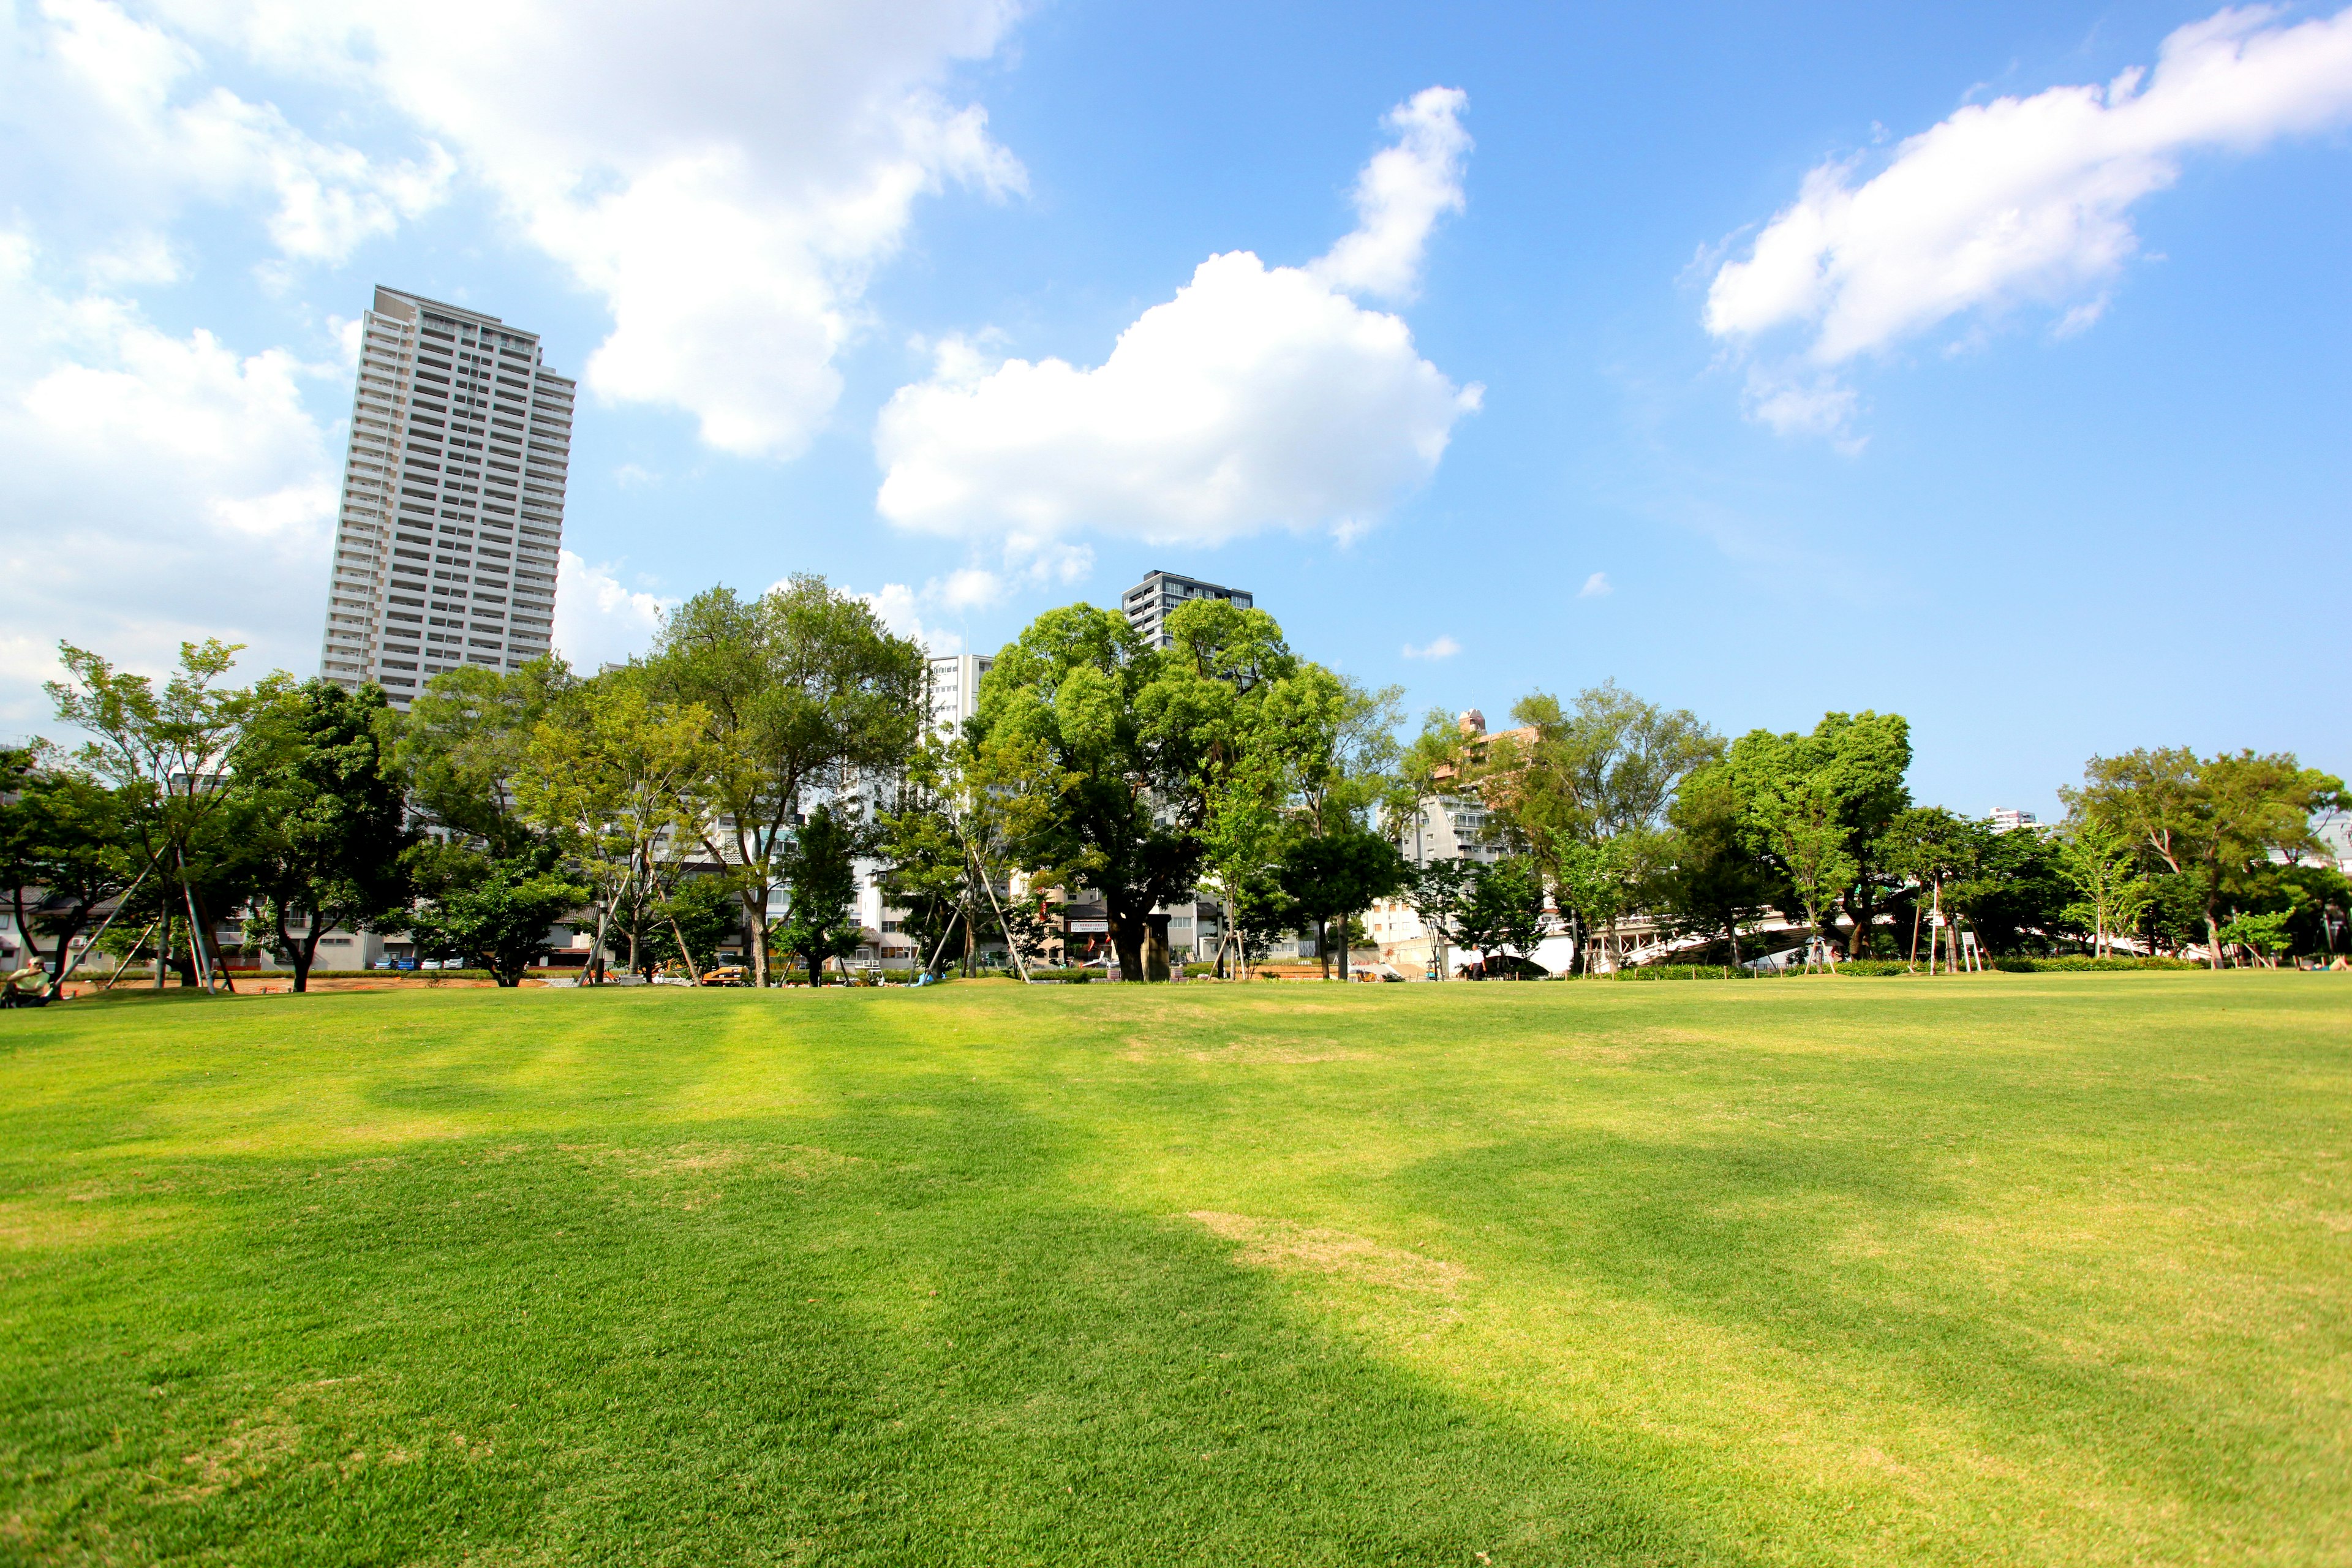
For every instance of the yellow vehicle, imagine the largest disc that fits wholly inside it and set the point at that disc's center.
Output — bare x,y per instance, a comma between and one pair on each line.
727,975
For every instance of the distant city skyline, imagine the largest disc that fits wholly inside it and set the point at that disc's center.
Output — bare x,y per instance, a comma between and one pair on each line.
1989,366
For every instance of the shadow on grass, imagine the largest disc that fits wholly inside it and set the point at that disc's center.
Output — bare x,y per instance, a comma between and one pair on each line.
867,1338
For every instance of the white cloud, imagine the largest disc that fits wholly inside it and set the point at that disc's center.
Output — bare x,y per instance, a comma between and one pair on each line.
2016,201
152,479
901,608
1259,397
1443,647
970,589
1399,197
726,177
598,619
120,112
1596,586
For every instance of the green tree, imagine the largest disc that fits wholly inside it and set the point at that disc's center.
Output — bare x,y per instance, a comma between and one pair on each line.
936,843
1936,849
617,776
1713,882
2315,899
1607,766
1819,805
165,751
1426,769
1333,875
64,834
1439,893
1263,912
328,816
927,873
1108,756
494,912
2214,820
2102,865
2265,935
1598,882
699,916
464,745
2174,916
1505,909
2016,894
806,693
819,870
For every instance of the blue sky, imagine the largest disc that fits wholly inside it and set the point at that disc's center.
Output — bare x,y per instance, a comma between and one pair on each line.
1768,362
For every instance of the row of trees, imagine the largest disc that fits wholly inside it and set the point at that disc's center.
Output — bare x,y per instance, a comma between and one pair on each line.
500,802
722,789
1623,809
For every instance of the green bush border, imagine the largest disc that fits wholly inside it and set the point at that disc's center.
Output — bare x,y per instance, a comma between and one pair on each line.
2072,963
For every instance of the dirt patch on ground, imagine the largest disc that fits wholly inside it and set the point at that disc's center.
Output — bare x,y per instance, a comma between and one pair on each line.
283,985
1278,1052
44,1223
690,1161
1282,1245
244,1453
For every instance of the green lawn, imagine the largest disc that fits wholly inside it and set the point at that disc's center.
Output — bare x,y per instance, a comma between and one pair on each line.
2011,1269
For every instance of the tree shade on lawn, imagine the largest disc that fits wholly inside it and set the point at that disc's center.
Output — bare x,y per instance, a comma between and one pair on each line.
2028,1269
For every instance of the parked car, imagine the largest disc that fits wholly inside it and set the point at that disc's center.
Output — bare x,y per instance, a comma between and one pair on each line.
727,975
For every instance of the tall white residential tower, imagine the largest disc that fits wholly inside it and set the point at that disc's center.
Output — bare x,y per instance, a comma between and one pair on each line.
453,499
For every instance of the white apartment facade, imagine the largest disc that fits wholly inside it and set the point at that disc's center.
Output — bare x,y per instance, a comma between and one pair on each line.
955,689
452,519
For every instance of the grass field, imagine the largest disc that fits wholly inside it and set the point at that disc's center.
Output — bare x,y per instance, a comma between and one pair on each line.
2013,1269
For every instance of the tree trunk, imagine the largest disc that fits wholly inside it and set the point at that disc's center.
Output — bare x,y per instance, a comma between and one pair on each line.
2212,939
298,953
1323,945
1127,940
692,972
199,972
1344,945
755,932
1157,961
23,926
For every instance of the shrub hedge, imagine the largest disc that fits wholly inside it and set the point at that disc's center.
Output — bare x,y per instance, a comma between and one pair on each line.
2071,962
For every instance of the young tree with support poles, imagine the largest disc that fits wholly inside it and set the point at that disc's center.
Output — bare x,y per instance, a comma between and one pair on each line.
166,752
66,834
619,775
819,870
